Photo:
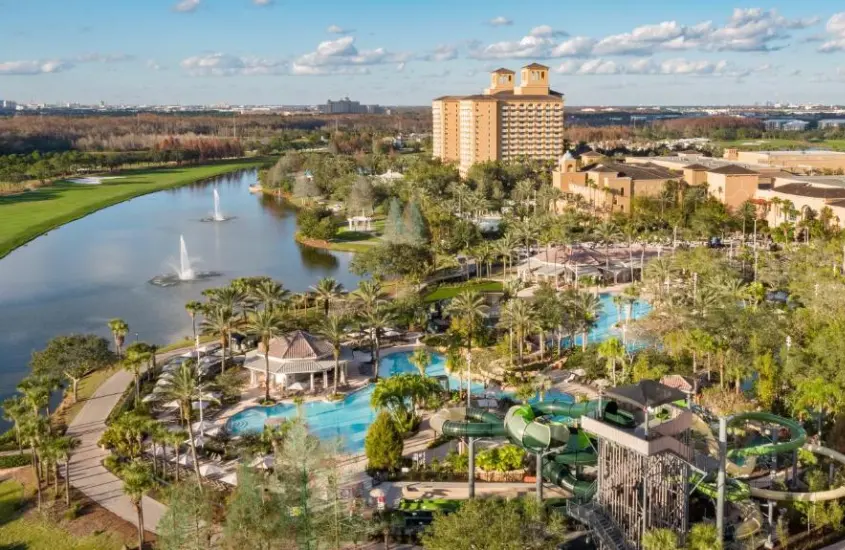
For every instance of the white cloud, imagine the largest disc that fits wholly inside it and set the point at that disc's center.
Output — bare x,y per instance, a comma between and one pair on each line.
33,67
340,56
648,66
441,53
154,65
221,64
836,28
263,2
400,67
103,58
336,29
579,46
500,21
186,6
538,44
546,31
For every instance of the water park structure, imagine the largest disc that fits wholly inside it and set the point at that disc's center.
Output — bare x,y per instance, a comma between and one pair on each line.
632,459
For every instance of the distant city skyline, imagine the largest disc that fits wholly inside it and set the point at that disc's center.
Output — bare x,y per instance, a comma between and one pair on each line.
397,53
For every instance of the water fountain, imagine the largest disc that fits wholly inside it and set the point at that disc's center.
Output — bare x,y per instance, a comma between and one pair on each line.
184,272
217,215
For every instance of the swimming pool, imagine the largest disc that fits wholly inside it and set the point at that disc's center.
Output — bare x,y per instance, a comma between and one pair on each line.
349,419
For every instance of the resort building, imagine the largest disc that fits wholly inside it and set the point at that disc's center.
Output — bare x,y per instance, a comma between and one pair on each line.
296,358
606,185
570,264
732,185
786,125
505,122
794,161
794,197
826,123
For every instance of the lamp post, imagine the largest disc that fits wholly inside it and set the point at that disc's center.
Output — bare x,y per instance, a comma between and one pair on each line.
197,348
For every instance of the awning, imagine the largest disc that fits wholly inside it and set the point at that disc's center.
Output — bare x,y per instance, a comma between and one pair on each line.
645,394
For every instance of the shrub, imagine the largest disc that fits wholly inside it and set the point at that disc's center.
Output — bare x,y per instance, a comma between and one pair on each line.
383,444
14,461
316,223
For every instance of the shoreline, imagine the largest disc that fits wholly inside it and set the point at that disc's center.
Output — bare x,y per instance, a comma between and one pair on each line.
42,228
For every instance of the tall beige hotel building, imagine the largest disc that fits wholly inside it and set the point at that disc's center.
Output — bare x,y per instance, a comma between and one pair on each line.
505,122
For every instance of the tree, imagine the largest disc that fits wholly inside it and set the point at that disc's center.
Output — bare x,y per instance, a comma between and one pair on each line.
361,196
270,294
816,394
137,480
333,328
703,536
15,410
219,320
615,353
72,357
401,395
519,524
607,233
588,307
520,318
768,381
255,517
265,325
421,359
376,321
383,444
415,230
185,388
660,539
469,307
64,447
119,329
327,289
194,308
394,227
188,520
136,357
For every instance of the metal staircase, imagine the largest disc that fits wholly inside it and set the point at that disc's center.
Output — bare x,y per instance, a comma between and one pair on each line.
591,515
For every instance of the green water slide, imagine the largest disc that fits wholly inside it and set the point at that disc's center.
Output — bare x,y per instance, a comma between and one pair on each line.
798,436
464,422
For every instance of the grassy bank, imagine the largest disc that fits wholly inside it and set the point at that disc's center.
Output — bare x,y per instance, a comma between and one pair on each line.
23,527
28,215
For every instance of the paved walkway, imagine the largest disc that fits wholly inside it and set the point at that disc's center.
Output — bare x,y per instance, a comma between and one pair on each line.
86,470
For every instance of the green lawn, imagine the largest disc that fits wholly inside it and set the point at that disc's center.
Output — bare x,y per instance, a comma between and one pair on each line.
775,144
40,534
451,291
25,216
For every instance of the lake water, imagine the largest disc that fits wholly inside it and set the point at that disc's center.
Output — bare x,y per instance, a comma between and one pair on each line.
79,276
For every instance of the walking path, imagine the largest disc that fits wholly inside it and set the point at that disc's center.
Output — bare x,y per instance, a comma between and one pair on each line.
87,472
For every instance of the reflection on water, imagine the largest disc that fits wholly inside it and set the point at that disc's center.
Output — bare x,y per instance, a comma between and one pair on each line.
81,275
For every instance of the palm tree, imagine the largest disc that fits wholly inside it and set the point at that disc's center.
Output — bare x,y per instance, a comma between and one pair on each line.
368,296
421,359
119,329
607,233
270,294
64,448
520,319
185,388
612,350
376,321
588,307
15,410
265,324
194,308
219,320
134,361
704,536
816,394
542,384
137,480
327,289
660,539
33,431
469,307
175,440
35,394
333,328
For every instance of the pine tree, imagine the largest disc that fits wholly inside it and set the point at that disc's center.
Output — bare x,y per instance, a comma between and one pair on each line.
394,228
415,230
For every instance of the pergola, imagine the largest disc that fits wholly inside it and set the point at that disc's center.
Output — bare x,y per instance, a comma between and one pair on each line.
360,223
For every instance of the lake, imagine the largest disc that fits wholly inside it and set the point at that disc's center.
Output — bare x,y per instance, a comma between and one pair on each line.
79,276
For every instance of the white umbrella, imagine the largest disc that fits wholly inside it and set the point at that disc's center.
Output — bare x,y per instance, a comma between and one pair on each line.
204,426
264,462
149,398
296,386
230,479
196,405
199,441
185,460
171,404
211,470
161,451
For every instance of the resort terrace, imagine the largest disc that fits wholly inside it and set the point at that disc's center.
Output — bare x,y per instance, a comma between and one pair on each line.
568,264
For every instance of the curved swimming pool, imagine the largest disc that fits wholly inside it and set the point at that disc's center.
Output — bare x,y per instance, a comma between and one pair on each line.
349,419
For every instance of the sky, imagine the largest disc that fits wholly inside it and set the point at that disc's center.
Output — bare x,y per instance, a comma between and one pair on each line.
406,52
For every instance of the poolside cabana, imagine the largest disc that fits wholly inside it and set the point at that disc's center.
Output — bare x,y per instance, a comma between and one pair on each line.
295,357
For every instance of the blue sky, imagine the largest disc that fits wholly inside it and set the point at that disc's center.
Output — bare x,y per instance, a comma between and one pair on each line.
403,52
